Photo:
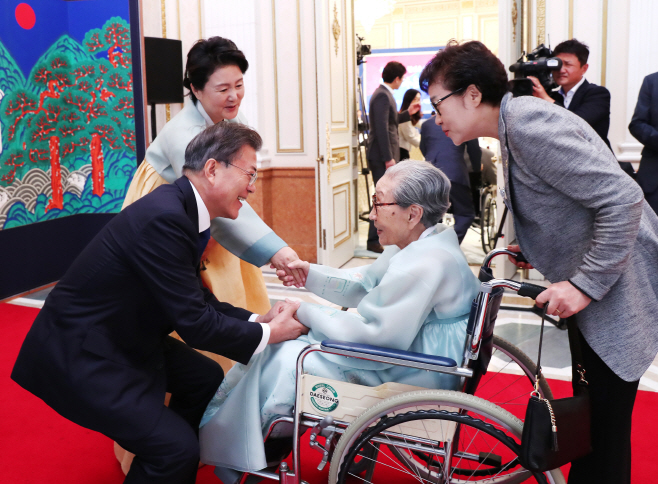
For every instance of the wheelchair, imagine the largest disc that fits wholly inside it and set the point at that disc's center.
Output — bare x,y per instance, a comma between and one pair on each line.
400,433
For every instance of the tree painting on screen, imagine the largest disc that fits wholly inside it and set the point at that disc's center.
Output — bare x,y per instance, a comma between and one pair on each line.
68,131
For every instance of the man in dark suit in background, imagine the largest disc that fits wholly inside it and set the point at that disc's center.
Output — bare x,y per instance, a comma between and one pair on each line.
587,100
99,351
644,126
383,149
439,150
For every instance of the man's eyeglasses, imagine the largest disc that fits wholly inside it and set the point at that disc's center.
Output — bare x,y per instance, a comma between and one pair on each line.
435,104
376,204
254,175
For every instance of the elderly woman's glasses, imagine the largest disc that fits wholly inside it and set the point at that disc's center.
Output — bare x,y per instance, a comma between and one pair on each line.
376,204
254,175
435,104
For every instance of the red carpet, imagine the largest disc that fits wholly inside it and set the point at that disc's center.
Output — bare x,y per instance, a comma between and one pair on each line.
39,446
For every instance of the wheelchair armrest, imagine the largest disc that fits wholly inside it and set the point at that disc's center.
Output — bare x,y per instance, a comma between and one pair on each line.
387,355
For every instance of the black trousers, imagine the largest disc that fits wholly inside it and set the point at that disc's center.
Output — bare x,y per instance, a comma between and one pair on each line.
612,402
461,203
170,453
377,169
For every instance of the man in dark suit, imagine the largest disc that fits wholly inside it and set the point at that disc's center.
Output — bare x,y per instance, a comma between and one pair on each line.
99,351
644,126
383,149
439,150
587,100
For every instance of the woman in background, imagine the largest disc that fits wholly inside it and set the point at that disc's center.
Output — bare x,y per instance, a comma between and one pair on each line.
408,132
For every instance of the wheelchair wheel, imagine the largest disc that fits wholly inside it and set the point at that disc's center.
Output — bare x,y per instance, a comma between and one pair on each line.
488,226
456,438
510,379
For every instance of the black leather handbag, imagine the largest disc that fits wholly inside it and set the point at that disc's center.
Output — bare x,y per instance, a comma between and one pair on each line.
556,432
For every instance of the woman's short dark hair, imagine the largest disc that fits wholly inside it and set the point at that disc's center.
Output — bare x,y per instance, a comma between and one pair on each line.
222,142
575,47
208,55
392,70
408,98
460,65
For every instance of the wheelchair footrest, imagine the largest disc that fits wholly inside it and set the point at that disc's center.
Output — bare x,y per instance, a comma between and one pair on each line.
388,353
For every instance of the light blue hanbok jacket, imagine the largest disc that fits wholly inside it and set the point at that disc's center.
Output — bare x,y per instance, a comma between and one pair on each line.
415,299
247,237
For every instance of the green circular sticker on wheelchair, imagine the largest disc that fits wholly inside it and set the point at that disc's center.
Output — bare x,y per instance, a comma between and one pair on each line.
324,397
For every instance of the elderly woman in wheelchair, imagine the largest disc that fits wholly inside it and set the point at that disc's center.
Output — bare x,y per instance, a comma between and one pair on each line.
416,296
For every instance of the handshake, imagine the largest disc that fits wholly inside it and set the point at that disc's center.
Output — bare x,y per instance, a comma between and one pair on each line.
282,318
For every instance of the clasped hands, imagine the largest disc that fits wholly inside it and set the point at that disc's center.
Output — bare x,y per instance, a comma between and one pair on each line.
283,322
563,299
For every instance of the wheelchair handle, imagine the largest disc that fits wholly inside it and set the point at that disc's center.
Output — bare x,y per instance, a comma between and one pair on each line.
496,252
530,290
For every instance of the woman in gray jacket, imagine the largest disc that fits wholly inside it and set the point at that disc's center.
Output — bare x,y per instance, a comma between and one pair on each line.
581,221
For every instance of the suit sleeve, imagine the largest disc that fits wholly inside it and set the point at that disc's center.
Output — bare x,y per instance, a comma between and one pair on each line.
164,259
474,154
615,200
557,97
641,126
403,117
379,112
423,138
595,106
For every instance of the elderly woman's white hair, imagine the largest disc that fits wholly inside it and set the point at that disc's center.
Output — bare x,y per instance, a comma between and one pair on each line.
421,183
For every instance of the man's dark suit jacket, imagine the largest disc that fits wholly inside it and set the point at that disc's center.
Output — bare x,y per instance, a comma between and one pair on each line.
644,126
592,103
439,150
95,352
383,142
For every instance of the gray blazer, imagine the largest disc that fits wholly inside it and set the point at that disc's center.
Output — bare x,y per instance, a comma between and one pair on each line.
579,217
383,142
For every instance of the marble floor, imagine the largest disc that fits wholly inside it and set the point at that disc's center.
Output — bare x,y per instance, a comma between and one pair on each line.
514,323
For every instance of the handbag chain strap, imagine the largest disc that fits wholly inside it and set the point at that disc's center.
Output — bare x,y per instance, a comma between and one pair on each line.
574,343
535,393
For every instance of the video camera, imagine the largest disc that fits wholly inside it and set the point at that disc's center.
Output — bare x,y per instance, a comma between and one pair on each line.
539,63
362,50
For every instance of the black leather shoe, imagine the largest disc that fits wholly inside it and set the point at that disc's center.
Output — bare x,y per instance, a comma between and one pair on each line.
375,247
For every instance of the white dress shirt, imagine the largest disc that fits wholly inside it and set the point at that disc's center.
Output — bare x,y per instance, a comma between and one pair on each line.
204,224
569,96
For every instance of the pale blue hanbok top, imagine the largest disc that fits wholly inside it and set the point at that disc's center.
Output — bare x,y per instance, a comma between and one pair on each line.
415,299
247,237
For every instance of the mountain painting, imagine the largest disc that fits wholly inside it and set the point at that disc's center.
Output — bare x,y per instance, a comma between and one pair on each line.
66,109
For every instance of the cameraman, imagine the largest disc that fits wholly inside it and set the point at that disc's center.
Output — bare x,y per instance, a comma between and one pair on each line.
589,101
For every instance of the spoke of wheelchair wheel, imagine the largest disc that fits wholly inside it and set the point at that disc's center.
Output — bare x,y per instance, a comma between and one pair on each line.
503,468
497,373
505,388
398,466
479,466
465,451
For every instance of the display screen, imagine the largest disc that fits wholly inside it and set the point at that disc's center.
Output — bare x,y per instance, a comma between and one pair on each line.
414,60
